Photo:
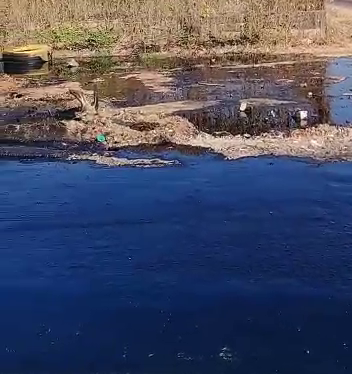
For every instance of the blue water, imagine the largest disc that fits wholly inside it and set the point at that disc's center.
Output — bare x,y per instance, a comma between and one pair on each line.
339,94
212,267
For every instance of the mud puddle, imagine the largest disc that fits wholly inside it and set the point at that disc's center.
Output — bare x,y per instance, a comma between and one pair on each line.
218,101
105,64
339,94
278,92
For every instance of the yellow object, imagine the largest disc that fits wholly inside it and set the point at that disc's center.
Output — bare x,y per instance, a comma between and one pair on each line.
29,51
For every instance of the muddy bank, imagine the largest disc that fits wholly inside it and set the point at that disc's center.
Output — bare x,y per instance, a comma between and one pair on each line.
209,95
104,158
120,161
324,142
306,51
148,125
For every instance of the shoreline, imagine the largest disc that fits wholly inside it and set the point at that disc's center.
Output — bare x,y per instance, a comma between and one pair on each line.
304,52
45,114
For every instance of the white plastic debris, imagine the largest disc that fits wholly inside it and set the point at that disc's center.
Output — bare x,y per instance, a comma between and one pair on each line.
310,95
272,113
315,143
243,106
303,114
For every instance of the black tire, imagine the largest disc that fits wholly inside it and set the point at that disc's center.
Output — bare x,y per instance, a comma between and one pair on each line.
23,60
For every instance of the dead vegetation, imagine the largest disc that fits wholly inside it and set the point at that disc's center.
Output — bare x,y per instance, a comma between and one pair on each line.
128,128
323,142
153,25
340,24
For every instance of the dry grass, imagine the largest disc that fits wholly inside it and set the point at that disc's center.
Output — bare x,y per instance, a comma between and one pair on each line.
154,23
340,24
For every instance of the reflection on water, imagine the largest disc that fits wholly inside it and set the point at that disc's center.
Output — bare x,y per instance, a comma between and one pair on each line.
309,85
340,94
214,267
322,88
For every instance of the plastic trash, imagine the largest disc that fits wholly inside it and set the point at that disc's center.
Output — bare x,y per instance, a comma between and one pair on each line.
272,113
100,138
302,115
28,53
304,123
243,106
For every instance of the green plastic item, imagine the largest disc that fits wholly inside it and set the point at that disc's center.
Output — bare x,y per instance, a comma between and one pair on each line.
100,138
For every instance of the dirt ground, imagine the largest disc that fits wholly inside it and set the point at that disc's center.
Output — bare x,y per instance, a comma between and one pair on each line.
339,47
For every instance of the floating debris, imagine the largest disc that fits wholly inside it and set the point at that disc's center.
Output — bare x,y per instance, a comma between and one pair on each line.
335,79
243,106
183,356
115,161
226,354
303,114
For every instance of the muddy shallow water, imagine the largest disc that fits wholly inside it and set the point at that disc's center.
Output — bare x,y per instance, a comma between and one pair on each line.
213,267
146,106
321,87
